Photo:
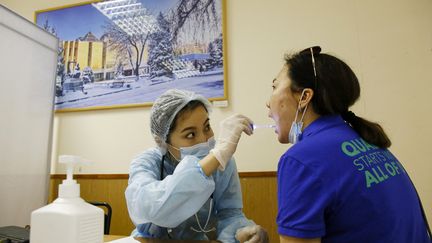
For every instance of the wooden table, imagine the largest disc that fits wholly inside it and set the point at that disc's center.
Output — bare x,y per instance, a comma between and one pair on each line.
108,238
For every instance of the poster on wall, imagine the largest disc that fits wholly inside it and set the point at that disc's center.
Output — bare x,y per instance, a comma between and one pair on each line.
125,53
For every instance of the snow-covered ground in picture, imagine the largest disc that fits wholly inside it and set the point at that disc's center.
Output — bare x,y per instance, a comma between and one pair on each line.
105,93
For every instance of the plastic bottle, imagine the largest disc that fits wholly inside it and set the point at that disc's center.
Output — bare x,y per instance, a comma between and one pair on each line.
69,219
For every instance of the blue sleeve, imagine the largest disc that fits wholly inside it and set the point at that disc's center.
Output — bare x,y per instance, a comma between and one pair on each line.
302,200
229,204
169,202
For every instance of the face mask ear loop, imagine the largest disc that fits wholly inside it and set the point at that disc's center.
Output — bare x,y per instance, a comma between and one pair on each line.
173,147
298,109
304,112
171,153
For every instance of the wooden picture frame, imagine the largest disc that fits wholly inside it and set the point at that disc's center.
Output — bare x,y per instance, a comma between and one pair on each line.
125,53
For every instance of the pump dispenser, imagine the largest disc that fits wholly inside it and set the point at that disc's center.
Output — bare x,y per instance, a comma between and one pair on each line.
69,219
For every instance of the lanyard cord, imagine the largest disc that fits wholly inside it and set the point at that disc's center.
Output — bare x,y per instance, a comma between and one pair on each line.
196,215
207,221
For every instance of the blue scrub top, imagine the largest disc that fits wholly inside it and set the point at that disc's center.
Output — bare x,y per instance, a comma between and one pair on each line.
177,205
335,186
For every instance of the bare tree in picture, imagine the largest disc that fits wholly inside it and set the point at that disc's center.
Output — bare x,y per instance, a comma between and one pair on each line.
131,45
200,12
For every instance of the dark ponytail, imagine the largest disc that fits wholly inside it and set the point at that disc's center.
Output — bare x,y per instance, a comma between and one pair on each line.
336,88
371,132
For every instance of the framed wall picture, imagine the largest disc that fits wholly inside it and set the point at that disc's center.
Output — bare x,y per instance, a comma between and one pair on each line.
125,53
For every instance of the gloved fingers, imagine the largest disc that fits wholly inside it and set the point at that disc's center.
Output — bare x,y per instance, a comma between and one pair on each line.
244,123
241,238
237,115
234,133
240,116
245,120
233,119
262,233
248,122
230,132
256,234
255,239
243,234
247,128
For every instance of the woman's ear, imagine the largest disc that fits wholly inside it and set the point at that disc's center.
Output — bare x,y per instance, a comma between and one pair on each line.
306,98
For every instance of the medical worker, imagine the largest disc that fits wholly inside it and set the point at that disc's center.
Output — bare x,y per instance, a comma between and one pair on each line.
188,187
338,182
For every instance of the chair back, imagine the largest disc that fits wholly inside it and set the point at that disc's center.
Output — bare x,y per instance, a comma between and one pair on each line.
107,214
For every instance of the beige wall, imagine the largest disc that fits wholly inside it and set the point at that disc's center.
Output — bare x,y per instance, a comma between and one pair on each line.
387,43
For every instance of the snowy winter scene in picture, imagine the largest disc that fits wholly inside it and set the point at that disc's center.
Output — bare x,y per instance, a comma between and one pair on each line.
123,53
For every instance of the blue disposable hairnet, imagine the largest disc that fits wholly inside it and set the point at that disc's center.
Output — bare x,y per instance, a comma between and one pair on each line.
165,109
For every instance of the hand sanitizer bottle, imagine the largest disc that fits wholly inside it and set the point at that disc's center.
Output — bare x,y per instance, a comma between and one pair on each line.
69,219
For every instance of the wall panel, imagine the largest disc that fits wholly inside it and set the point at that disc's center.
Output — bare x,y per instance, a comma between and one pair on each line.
258,189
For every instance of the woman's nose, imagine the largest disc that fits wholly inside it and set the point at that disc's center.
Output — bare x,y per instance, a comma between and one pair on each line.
210,134
202,138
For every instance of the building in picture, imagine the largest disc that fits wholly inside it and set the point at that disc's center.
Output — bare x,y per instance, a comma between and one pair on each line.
88,51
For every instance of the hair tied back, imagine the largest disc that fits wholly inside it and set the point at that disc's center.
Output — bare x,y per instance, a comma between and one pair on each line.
349,116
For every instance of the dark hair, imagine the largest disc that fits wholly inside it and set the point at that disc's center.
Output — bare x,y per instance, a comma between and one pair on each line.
192,105
335,87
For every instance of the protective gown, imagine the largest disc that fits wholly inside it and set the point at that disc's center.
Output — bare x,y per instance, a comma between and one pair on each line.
166,208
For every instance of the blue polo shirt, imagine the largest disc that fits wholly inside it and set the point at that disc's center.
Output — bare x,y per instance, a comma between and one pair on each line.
335,186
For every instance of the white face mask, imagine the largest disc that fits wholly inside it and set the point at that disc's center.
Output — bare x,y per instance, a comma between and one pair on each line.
296,126
199,150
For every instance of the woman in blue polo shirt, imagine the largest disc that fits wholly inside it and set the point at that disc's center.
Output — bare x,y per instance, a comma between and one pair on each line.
338,182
